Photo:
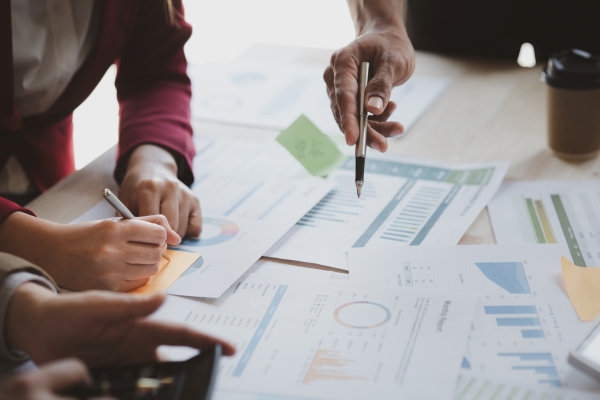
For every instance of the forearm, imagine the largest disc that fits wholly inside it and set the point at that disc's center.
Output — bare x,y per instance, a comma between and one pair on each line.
377,15
21,319
30,238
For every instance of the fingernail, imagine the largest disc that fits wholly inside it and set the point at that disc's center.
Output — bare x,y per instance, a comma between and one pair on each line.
397,132
375,102
376,146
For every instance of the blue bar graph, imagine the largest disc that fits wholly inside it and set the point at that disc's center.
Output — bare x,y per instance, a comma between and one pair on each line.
260,330
532,333
510,276
518,321
510,310
548,371
383,216
436,215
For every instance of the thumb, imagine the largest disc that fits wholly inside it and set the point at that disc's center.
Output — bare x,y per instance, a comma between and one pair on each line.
118,307
379,89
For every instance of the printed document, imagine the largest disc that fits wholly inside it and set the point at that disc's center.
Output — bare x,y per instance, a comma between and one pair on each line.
273,96
473,387
404,202
242,218
547,212
525,325
332,338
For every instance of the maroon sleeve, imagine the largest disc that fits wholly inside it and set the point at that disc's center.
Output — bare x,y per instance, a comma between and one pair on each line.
8,207
154,90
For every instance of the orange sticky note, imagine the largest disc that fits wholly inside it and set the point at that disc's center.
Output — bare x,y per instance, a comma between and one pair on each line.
168,272
583,288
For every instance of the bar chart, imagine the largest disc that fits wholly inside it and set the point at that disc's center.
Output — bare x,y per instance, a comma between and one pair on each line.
340,205
329,365
540,364
524,319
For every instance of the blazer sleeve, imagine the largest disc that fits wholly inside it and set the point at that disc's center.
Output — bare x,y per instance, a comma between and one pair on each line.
154,90
8,207
11,264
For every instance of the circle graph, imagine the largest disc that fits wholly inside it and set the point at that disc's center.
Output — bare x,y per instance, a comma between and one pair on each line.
362,315
218,231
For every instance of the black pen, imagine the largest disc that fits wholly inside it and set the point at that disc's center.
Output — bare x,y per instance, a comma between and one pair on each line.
361,144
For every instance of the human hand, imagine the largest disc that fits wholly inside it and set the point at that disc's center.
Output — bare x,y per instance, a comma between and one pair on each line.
116,254
392,61
46,382
100,328
151,187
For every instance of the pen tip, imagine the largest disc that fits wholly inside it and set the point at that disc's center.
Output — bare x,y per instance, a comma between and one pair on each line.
358,188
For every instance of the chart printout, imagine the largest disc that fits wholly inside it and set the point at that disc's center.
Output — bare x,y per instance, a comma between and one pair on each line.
241,219
546,212
333,338
404,202
524,327
273,95
473,387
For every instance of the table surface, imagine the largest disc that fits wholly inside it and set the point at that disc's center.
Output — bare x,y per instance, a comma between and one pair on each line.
493,110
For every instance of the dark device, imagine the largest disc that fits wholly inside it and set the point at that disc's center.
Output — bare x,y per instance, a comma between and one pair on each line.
188,380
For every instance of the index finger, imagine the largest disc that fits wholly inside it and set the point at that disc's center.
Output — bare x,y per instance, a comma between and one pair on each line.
346,89
180,335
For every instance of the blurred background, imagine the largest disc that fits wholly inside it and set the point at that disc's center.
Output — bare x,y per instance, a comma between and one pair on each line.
222,30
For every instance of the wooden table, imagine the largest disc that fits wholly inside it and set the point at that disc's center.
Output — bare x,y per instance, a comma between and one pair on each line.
493,110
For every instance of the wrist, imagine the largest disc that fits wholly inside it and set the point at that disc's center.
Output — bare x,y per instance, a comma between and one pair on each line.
377,16
22,317
149,159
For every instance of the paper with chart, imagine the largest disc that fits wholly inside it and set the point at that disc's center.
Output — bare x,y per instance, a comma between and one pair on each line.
473,387
404,202
562,212
242,218
334,339
525,326
273,96
251,194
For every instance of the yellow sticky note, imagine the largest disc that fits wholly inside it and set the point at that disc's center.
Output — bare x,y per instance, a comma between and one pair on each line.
583,288
168,272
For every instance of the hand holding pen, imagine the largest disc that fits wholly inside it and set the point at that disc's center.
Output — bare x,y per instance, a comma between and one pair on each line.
124,211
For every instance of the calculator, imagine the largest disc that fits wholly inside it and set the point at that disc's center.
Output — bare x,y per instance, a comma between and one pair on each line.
188,380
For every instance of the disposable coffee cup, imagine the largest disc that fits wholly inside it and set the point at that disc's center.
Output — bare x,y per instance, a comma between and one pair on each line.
573,103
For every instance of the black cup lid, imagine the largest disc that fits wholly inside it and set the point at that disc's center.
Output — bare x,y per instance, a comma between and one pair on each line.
572,69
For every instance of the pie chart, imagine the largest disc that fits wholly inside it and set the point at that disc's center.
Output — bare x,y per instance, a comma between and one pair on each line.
362,315
214,231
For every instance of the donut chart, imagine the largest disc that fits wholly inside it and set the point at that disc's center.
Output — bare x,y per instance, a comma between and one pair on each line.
362,315
228,230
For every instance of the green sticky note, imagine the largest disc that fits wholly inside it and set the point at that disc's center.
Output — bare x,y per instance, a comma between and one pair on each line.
315,151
